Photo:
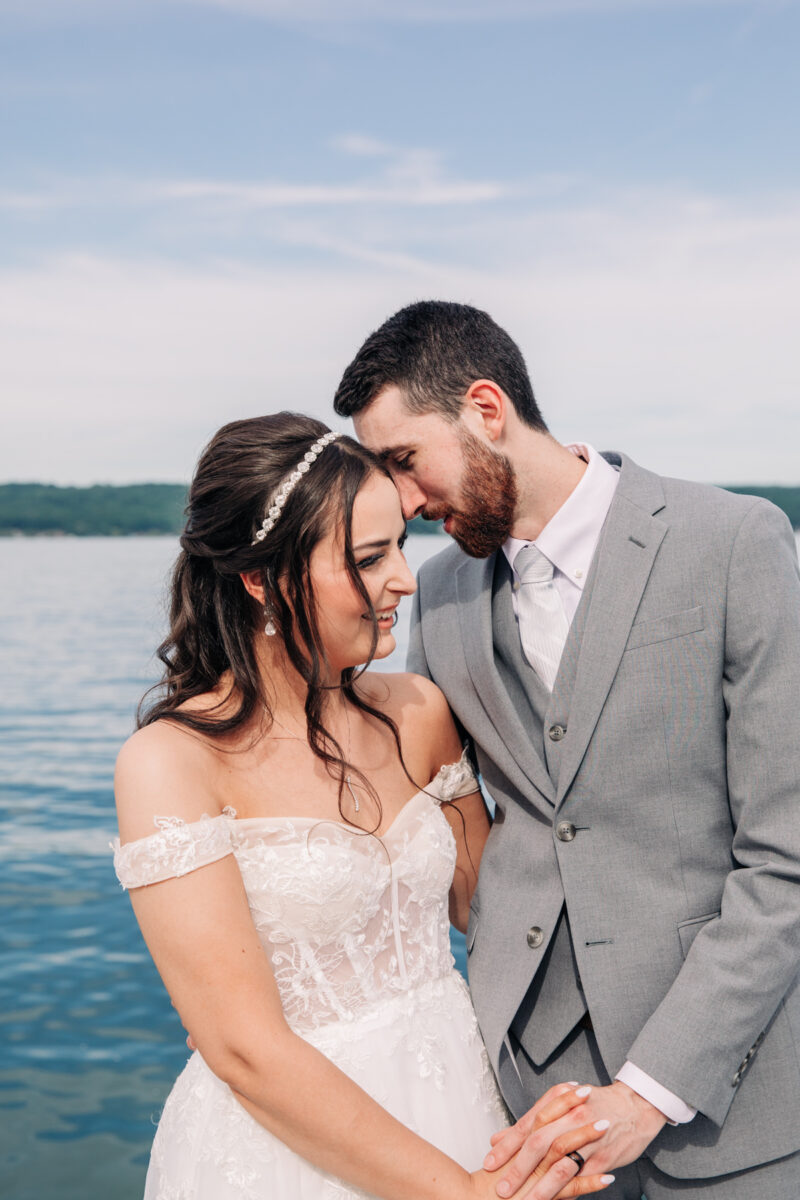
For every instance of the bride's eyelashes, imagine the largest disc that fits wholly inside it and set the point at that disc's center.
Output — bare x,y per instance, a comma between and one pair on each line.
365,563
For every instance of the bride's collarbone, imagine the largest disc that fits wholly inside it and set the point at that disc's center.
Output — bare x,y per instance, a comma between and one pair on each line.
278,776
291,792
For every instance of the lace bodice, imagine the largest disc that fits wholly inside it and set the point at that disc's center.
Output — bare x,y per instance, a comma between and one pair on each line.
348,920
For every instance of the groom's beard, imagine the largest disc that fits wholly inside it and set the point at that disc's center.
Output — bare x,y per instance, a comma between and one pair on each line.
487,502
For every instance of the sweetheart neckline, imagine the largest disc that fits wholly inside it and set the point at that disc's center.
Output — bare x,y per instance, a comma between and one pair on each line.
293,820
163,823
332,820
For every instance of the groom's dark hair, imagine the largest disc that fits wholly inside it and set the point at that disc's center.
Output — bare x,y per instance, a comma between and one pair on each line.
433,351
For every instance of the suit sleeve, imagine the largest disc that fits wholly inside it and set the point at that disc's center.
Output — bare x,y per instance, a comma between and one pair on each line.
415,659
704,1035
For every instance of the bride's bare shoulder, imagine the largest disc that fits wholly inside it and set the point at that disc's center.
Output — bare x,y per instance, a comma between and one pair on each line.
420,711
160,746
170,740
401,694
165,768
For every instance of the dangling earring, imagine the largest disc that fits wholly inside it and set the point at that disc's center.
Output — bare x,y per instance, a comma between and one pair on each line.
270,628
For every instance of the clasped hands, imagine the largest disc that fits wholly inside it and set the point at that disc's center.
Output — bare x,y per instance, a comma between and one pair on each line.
616,1122
609,1127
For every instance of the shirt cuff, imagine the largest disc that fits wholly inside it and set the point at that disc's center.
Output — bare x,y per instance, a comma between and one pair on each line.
673,1108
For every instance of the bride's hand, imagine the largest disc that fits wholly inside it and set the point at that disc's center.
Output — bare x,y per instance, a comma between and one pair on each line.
556,1102
556,1176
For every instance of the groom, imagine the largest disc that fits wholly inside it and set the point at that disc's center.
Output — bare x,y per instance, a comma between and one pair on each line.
624,652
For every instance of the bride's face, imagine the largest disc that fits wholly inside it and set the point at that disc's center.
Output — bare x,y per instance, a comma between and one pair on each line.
378,533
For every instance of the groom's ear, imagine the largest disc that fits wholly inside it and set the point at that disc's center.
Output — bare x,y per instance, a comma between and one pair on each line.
486,409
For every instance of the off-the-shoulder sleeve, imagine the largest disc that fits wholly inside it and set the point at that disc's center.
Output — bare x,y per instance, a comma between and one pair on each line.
178,848
454,780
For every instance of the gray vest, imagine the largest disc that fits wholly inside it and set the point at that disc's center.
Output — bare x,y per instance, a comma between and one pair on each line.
554,1002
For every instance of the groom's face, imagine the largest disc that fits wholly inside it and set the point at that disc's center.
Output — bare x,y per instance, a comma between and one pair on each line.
442,470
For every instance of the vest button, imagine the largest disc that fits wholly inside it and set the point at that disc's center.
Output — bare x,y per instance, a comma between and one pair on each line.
565,831
556,732
535,937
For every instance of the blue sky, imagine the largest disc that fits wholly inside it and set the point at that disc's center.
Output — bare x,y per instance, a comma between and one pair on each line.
205,207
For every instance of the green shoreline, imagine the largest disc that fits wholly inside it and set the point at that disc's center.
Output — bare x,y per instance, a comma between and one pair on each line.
105,510
156,509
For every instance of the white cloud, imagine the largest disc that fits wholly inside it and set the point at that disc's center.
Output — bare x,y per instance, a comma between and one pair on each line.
434,11
21,203
363,147
403,177
411,187
662,324
338,11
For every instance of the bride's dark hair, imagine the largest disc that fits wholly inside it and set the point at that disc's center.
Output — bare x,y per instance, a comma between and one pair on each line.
213,619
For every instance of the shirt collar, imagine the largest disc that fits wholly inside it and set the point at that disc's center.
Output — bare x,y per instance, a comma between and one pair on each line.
570,537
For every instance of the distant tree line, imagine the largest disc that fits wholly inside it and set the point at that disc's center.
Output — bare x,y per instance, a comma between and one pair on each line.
787,498
104,510
157,508
99,511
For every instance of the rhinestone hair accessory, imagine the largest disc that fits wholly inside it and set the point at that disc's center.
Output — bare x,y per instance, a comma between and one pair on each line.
290,482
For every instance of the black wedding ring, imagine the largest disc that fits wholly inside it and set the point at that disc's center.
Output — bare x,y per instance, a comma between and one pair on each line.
577,1158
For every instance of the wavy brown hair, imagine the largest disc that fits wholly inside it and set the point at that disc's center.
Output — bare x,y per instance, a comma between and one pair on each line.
213,619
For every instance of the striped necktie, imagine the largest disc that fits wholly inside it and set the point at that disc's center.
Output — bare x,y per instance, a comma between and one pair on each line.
543,625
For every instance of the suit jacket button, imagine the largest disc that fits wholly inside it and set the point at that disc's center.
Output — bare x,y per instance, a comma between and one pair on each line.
565,831
535,937
556,732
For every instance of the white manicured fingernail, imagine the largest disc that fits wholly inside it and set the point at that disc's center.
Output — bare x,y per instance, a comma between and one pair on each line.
583,1092
601,1126
607,1178
572,1083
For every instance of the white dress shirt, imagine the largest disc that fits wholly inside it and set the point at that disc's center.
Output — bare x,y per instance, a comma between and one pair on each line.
569,538
569,541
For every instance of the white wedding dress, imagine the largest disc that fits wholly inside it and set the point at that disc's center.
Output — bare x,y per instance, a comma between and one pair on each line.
356,931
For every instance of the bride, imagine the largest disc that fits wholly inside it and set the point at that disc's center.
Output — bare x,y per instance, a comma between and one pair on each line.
290,875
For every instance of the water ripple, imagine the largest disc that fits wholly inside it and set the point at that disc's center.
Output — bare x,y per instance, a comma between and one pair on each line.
90,1043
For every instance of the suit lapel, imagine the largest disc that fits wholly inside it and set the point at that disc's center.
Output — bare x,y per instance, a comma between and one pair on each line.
504,732
627,550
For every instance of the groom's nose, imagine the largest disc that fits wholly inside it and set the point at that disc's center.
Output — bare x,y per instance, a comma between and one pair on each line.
412,497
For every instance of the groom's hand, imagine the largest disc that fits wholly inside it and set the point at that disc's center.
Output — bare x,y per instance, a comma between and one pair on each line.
633,1123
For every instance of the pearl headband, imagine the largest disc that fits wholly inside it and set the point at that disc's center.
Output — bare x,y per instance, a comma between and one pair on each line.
290,482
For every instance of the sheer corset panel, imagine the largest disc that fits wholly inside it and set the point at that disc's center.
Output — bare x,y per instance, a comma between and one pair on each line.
347,919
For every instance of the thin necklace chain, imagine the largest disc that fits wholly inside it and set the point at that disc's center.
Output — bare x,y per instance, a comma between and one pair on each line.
296,738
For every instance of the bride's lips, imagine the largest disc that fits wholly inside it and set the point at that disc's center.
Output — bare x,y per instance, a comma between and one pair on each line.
382,615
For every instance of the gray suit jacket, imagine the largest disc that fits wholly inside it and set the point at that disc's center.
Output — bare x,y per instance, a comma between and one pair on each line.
680,769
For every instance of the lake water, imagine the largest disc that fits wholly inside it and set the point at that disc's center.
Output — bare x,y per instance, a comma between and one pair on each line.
89,1044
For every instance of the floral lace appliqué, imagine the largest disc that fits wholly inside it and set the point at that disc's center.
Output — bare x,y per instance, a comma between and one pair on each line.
178,848
356,931
455,779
